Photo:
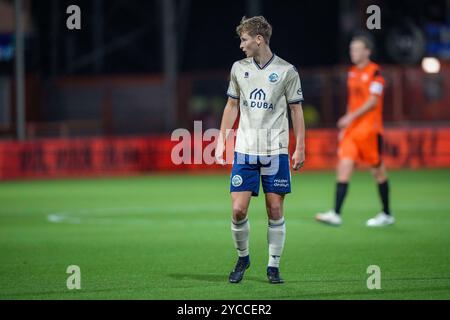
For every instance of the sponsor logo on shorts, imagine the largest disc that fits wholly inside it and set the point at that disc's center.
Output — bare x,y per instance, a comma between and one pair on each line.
236,181
284,183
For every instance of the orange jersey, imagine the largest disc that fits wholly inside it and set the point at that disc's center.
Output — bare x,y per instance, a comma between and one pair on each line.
361,84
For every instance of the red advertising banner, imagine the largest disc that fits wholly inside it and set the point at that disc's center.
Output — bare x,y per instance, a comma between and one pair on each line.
403,148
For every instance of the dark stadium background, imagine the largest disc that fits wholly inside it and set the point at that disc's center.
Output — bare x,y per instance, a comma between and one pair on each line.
308,33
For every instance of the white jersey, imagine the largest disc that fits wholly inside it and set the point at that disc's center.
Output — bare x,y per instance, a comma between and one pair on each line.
264,94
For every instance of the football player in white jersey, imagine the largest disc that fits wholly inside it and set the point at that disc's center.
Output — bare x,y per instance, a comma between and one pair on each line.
262,88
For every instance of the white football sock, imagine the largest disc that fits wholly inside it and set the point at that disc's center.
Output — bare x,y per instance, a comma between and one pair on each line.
240,231
276,234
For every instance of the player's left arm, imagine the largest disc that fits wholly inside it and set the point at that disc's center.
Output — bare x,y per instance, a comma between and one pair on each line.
294,97
298,124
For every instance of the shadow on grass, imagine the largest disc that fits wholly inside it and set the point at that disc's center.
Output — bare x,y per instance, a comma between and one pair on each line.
403,293
295,289
63,294
219,278
309,293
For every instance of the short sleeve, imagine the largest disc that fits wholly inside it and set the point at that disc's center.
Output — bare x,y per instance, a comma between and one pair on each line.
294,93
233,87
377,84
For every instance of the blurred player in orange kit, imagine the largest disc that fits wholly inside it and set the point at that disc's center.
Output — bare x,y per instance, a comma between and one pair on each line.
360,135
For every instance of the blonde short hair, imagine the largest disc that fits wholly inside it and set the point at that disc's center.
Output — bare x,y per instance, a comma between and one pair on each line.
255,26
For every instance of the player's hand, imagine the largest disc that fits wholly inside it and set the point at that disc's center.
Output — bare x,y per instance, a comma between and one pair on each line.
344,121
298,158
341,135
220,148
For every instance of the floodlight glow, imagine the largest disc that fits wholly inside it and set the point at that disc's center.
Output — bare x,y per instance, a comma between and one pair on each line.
431,65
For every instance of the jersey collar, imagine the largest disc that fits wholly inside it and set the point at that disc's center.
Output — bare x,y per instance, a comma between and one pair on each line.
265,66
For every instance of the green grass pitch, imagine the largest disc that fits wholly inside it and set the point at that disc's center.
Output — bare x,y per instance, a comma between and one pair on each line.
168,237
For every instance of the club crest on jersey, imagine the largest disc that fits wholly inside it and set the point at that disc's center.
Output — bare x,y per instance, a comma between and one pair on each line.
236,181
246,75
273,77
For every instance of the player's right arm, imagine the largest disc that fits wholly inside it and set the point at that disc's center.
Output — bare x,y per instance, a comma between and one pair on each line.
349,117
375,88
229,116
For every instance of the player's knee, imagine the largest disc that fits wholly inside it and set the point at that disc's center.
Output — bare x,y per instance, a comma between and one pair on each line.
275,211
344,175
344,171
239,212
379,174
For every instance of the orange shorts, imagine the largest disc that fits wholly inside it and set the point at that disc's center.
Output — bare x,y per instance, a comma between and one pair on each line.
365,148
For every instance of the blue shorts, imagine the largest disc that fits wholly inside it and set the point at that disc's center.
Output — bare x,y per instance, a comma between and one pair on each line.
274,171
